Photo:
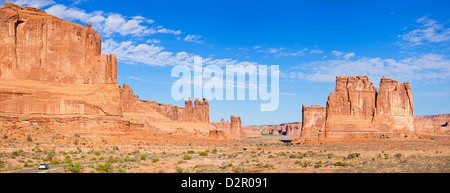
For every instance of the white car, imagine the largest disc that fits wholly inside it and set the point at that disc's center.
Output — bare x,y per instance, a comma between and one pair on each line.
43,167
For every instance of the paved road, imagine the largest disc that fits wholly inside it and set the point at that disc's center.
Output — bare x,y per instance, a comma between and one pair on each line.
51,168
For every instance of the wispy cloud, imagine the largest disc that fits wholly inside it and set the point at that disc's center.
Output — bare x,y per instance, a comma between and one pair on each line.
33,3
287,94
423,68
343,55
429,31
109,24
193,38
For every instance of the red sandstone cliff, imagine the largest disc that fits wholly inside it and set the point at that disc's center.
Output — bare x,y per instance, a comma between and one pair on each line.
52,73
38,46
52,66
355,110
313,124
233,129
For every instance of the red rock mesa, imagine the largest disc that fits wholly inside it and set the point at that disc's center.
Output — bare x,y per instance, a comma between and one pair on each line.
356,111
53,73
233,129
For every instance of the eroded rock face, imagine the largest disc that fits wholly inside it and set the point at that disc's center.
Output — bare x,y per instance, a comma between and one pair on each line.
350,108
293,128
38,46
232,129
356,111
313,124
49,66
217,135
395,107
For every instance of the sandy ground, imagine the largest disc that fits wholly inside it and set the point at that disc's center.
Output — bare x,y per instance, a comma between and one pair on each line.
265,154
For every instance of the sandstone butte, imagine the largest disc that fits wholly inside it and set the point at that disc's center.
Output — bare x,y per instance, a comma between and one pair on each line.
232,129
356,111
52,73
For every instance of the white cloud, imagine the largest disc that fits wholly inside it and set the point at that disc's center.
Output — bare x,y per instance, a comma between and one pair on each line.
193,38
153,41
34,3
344,55
109,24
424,68
131,53
429,31
337,53
316,51
348,55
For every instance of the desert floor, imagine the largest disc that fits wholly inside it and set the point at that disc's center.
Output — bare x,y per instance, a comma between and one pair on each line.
265,154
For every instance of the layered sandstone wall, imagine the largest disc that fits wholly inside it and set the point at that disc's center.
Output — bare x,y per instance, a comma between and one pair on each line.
232,129
350,108
38,46
132,104
356,110
313,123
49,66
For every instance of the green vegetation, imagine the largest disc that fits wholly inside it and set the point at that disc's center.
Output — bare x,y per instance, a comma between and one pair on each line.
187,157
73,168
353,155
105,168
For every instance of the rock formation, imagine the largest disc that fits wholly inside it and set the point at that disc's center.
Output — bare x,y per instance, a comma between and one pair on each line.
51,66
313,124
355,110
217,135
52,72
233,129
38,46
350,108
433,124
293,128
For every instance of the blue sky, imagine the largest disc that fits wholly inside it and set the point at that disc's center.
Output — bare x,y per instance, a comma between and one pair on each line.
311,41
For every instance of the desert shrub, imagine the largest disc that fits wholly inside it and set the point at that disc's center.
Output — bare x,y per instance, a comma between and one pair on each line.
340,164
67,159
105,168
317,165
180,170
29,139
398,155
203,153
154,160
53,162
73,168
191,152
330,155
187,157
142,157
306,164
353,155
